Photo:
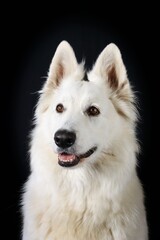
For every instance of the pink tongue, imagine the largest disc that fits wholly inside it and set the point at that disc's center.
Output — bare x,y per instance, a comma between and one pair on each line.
66,157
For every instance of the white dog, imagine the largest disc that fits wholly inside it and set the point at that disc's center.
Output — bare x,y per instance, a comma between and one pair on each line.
83,183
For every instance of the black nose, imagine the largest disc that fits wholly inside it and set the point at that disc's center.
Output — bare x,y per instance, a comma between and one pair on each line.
64,138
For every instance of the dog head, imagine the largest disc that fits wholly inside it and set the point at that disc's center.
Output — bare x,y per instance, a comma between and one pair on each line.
85,115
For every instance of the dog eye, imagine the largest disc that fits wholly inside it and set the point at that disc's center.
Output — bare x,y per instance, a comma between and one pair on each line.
93,111
59,108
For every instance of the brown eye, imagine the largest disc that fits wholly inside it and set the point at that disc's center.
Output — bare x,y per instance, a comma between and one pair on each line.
59,108
93,111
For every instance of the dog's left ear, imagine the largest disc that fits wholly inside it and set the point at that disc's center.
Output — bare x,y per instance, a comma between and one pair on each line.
110,67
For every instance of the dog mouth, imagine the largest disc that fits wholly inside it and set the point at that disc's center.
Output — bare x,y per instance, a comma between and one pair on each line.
69,160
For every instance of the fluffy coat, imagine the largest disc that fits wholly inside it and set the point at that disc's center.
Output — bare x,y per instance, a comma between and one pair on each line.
100,197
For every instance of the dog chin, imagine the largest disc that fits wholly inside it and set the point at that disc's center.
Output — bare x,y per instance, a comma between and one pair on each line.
66,159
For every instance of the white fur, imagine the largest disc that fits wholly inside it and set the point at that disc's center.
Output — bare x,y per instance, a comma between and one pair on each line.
101,198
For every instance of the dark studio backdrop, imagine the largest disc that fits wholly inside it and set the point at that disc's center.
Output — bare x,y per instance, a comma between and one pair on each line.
31,38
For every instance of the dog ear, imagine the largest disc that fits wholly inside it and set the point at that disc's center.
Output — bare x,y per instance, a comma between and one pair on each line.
110,67
63,63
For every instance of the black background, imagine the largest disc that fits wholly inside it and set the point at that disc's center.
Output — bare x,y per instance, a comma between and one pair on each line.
30,36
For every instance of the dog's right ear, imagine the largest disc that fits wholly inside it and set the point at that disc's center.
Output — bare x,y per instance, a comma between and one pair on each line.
63,63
